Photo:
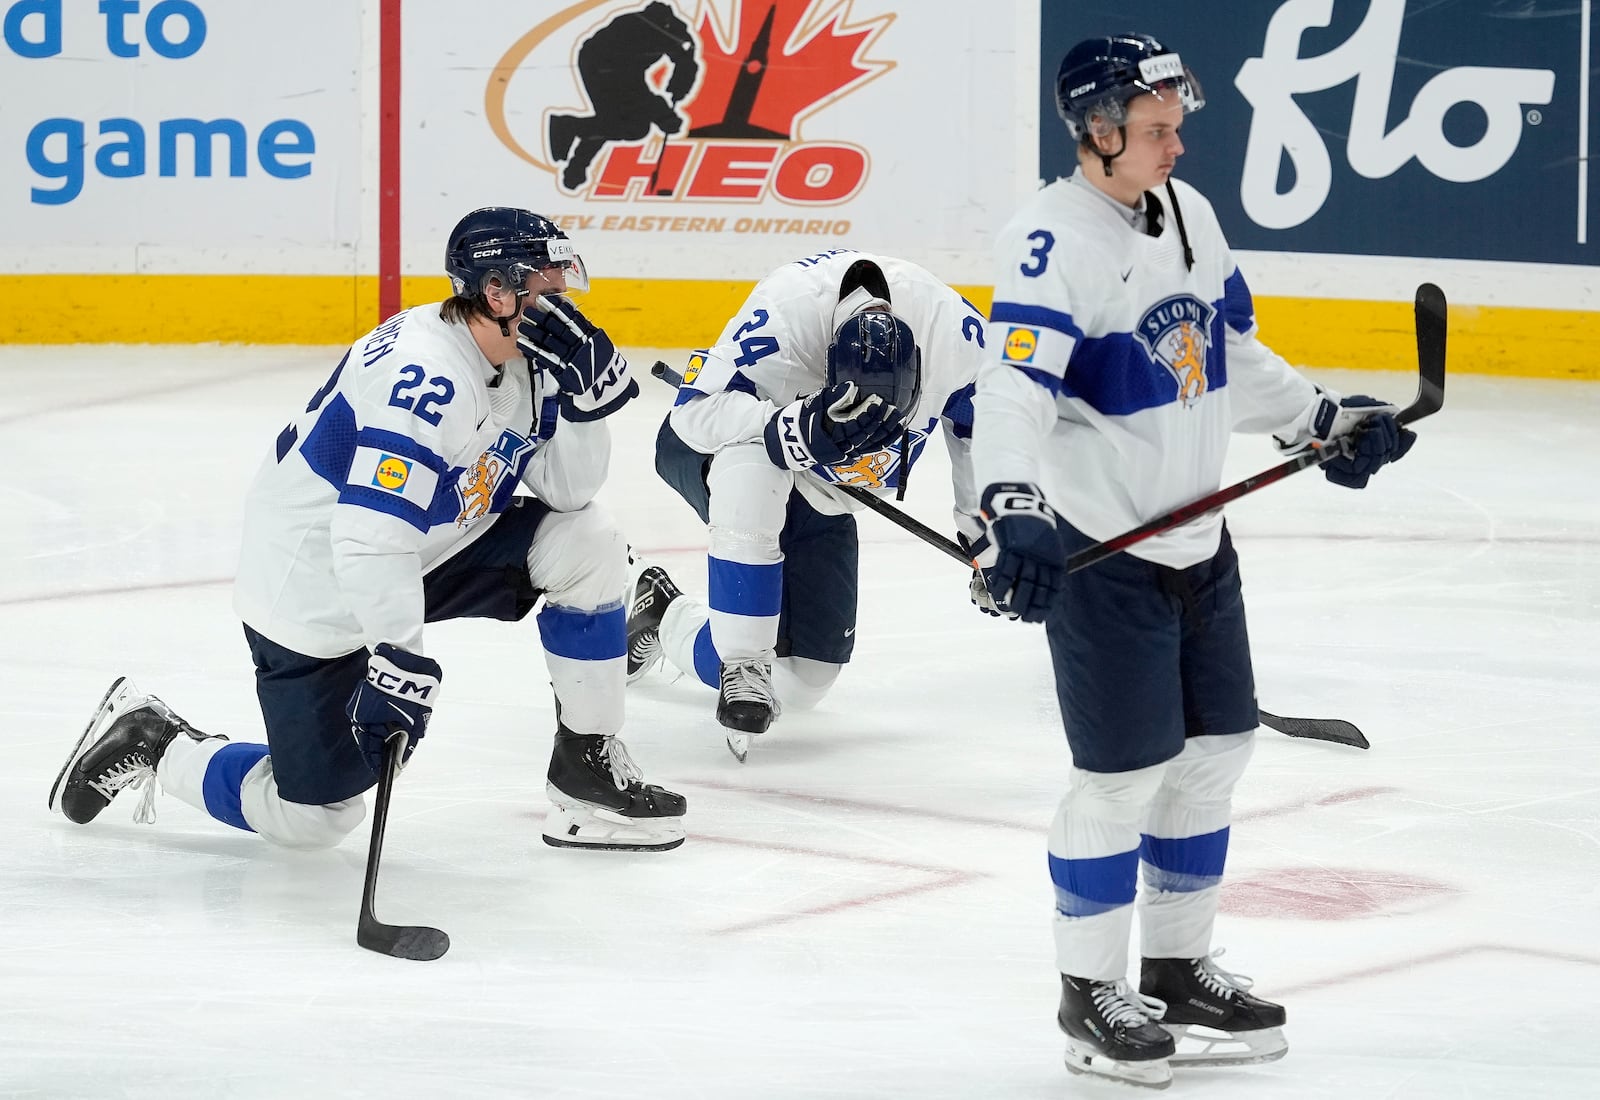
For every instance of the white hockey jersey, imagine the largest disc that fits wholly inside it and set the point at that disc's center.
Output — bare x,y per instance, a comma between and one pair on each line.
407,454
775,349
1116,374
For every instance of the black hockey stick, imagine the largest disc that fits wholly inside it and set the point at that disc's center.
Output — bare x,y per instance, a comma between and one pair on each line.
1430,322
403,941
1317,729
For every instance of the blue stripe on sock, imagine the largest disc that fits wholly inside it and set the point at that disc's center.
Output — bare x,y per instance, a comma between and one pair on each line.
225,773
584,635
1184,864
740,589
707,665
1086,887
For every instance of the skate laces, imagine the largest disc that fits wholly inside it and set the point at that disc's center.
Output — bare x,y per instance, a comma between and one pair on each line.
1121,1004
1223,983
750,682
623,770
131,771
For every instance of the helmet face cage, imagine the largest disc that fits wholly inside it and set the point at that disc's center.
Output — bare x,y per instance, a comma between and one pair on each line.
876,350
1099,77
506,245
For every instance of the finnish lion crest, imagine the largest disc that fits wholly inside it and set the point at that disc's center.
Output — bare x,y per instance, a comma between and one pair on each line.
1176,333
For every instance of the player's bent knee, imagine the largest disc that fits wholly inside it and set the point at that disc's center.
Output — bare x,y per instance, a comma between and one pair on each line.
308,828
802,682
579,559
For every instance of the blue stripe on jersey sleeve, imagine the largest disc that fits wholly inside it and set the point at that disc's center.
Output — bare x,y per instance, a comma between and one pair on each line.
402,445
738,383
958,411
331,443
1237,304
381,500
1017,313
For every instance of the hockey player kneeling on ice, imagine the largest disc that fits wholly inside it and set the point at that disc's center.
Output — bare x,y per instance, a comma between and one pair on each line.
837,370
392,500
1123,351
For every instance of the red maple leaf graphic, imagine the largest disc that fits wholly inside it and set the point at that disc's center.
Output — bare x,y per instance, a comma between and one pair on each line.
783,61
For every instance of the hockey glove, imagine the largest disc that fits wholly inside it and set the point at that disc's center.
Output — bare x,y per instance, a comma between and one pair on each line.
1373,437
978,588
1019,553
593,376
394,700
828,427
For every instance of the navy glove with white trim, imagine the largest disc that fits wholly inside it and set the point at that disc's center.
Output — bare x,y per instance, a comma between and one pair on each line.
829,426
1019,553
395,700
593,376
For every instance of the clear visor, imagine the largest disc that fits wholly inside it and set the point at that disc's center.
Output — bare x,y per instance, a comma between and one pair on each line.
570,263
1167,73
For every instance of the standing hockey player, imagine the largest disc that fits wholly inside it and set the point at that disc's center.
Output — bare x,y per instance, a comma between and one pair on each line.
835,371
1124,353
391,501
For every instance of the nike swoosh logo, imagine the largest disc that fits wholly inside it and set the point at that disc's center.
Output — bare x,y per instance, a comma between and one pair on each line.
849,632
485,420
1126,273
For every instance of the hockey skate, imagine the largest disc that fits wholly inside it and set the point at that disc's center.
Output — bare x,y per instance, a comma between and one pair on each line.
652,593
1214,1009
746,705
1112,1032
597,799
120,747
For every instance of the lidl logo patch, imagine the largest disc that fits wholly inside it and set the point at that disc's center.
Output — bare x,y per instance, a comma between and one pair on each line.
392,473
695,363
1021,343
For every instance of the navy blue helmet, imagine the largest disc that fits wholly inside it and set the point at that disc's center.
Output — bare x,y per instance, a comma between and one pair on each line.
505,243
875,350
1099,76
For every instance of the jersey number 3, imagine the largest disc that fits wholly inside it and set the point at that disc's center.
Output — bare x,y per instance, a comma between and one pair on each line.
1043,241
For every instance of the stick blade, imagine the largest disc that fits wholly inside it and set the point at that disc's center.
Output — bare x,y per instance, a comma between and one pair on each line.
1432,327
1336,730
402,941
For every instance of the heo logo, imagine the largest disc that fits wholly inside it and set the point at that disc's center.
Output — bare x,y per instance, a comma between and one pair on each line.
1271,81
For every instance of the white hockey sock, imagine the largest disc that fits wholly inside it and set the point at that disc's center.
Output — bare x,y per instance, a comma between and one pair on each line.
1185,846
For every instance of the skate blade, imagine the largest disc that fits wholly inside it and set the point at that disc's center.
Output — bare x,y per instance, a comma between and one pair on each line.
1223,1048
580,825
120,697
1087,1062
739,745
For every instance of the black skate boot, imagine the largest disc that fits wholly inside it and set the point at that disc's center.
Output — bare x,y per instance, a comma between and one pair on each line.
1208,1004
653,593
1112,1032
746,704
120,747
598,801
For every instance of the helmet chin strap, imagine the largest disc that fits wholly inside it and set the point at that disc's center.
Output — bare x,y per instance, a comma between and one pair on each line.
1107,158
505,322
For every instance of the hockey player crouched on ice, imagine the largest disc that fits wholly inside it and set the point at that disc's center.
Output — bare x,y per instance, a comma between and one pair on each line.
836,371
390,501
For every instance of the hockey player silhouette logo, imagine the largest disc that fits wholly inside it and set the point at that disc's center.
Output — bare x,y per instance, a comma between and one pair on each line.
701,108
1176,334
615,64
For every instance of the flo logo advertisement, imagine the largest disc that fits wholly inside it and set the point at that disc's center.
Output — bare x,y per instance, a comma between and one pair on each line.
713,103
1376,126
